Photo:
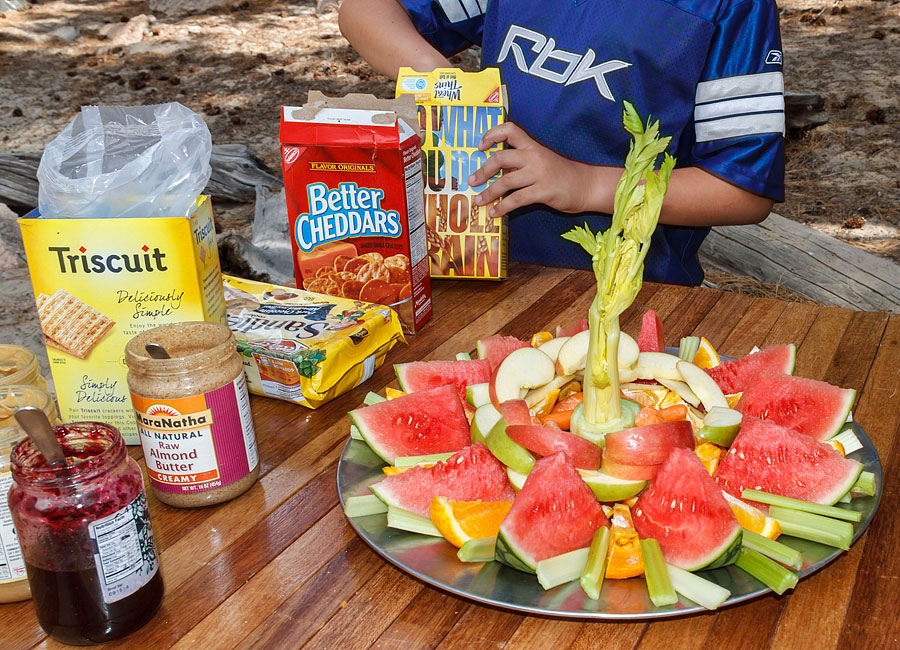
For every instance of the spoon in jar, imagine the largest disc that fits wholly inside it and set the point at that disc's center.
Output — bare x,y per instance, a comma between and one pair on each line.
38,428
156,351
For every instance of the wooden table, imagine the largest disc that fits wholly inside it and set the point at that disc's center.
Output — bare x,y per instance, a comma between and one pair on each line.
281,568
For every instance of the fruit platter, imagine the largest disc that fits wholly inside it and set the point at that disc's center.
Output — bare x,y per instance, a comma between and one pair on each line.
587,473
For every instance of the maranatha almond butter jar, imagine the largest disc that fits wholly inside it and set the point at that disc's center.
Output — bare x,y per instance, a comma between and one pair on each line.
193,414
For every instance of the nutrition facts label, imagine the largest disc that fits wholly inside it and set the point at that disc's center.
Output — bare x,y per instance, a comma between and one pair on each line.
412,174
12,565
124,551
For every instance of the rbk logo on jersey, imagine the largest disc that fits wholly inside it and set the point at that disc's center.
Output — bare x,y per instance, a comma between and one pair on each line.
774,57
578,67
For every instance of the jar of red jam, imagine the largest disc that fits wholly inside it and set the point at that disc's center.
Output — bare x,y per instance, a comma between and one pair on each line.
85,534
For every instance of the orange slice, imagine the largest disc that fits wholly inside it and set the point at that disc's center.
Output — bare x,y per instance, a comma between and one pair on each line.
547,405
733,400
540,338
460,521
391,393
837,444
706,356
753,518
710,455
624,559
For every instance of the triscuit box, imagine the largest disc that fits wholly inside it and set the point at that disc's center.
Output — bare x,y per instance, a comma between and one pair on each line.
304,347
455,110
99,282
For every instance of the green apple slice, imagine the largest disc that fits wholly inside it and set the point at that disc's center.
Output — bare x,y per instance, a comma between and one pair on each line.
486,416
609,488
703,385
552,347
478,394
507,450
522,368
516,479
720,426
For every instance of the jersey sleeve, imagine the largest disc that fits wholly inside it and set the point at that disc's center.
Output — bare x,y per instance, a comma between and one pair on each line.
739,101
449,25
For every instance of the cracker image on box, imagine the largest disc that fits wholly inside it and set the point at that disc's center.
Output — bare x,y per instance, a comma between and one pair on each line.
455,109
70,324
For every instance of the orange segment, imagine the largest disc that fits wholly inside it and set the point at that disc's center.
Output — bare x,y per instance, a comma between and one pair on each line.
651,396
624,559
540,338
710,455
733,400
460,521
706,356
753,518
391,393
547,405
837,444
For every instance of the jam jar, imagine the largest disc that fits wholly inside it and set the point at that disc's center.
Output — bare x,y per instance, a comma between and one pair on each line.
13,581
86,537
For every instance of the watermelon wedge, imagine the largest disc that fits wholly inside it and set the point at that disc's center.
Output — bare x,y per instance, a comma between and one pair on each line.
814,408
768,457
428,422
572,330
737,375
468,475
553,513
496,348
684,510
422,375
651,336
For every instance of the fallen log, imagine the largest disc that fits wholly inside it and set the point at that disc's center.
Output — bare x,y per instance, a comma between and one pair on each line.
236,171
782,252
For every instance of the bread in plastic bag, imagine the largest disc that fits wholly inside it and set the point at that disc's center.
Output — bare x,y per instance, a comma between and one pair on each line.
126,161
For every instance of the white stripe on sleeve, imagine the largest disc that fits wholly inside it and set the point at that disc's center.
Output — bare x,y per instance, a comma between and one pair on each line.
738,86
738,127
741,106
473,7
454,10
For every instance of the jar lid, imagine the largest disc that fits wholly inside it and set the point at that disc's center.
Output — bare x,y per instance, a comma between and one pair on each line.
16,364
12,398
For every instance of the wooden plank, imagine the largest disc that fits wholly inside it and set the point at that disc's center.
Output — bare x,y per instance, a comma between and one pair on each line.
721,320
544,634
780,251
424,623
753,327
481,627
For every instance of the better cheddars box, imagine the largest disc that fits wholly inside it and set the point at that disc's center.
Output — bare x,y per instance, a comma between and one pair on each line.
455,110
99,282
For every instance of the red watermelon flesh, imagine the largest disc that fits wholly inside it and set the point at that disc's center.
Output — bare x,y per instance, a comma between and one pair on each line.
496,348
651,336
584,454
422,375
768,457
428,422
739,374
814,408
468,475
572,330
684,510
555,512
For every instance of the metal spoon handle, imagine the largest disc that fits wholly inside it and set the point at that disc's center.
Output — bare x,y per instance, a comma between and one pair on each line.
38,428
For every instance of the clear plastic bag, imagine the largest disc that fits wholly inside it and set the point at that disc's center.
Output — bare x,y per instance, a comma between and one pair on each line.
126,161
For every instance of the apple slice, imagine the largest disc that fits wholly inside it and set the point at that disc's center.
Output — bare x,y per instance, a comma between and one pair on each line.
552,347
478,394
721,426
537,395
521,369
516,479
573,353
703,385
682,390
486,416
505,449
609,488
628,352
656,365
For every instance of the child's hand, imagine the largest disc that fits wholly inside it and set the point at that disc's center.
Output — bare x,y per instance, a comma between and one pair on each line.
532,173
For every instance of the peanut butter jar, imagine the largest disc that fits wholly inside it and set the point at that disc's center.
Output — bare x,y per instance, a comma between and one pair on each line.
193,414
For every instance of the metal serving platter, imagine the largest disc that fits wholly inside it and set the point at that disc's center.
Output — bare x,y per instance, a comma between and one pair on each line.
433,560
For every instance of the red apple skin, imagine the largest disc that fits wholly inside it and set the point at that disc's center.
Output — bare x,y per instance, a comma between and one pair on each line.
515,411
544,442
629,472
649,444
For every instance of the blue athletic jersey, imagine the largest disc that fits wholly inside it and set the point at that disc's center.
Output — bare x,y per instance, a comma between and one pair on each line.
709,70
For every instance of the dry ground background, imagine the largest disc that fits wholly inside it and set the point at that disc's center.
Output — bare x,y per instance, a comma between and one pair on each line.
238,62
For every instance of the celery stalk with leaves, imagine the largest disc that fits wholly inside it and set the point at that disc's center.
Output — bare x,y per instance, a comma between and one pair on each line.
618,262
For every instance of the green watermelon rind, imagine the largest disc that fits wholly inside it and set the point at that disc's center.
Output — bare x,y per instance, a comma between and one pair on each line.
840,417
841,489
369,439
726,554
505,552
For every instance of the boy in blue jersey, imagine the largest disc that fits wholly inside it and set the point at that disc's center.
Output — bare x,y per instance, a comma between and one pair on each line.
709,70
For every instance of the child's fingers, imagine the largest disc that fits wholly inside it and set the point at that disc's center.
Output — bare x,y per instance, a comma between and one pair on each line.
526,196
505,159
503,185
508,132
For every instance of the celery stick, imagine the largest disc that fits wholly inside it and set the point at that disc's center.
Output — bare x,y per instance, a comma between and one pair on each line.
865,484
846,498
767,571
463,356
849,441
364,505
410,461
595,567
703,592
373,398
770,548
560,569
477,550
688,348
406,520
803,506
815,528
354,433
659,585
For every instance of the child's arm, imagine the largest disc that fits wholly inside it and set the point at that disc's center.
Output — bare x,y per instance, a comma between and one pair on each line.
385,36
532,173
